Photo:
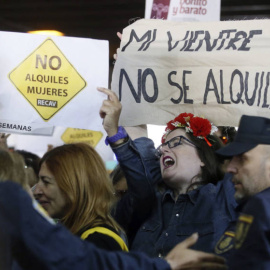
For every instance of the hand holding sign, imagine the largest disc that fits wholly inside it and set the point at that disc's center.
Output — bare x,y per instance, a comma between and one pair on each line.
110,111
120,37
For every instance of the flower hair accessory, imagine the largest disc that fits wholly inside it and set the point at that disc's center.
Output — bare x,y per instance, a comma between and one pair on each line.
198,126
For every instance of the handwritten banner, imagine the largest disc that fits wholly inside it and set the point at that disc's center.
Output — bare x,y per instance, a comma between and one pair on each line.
218,70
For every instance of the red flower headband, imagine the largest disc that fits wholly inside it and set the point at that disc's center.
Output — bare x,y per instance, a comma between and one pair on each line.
198,126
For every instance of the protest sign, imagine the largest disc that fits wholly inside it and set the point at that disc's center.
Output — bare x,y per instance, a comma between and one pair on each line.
51,81
183,10
218,70
7,126
74,135
61,135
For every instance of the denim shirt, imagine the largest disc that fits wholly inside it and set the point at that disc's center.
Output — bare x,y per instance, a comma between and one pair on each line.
208,210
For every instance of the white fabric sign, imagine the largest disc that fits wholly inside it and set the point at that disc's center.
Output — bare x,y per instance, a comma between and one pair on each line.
183,10
218,70
52,81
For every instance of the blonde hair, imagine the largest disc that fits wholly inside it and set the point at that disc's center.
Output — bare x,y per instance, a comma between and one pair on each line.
12,167
81,175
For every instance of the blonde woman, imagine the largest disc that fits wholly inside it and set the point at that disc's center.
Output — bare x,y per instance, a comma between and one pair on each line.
12,167
75,188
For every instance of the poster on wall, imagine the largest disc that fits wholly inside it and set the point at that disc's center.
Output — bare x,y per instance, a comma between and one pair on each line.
183,10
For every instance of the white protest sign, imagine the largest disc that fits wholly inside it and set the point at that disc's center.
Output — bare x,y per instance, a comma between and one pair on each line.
183,10
39,144
52,81
218,70
7,126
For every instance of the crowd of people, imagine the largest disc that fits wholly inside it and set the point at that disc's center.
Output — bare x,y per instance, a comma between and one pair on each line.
178,209
41,236
198,201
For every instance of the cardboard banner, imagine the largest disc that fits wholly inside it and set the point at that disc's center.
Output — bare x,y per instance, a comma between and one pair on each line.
183,10
52,81
218,70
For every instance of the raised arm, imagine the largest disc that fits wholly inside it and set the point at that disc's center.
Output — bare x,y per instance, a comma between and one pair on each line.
137,160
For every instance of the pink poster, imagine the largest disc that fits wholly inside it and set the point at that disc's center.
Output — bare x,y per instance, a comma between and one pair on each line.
160,9
183,10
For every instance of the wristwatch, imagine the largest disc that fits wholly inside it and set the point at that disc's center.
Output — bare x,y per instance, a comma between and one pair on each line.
121,134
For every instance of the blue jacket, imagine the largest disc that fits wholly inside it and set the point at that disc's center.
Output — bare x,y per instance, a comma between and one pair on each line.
159,222
36,243
252,235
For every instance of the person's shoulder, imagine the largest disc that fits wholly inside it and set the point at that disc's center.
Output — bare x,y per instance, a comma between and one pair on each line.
219,194
103,239
224,183
260,199
258,205
9,185
263,195
10,190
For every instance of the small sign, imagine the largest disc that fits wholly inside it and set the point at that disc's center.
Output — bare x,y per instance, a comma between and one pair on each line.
183,10
47,80
73,135
7,126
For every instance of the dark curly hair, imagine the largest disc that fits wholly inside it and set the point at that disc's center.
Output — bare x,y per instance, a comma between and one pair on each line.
212,171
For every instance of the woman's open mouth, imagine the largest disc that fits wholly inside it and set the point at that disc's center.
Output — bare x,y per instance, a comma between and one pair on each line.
168,162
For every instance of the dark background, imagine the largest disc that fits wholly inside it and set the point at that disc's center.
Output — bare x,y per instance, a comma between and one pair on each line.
100,19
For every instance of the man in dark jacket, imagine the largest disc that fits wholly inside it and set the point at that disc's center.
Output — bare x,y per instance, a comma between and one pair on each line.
250,166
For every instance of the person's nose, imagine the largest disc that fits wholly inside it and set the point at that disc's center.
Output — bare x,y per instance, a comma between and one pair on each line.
37,190
165,149
232,166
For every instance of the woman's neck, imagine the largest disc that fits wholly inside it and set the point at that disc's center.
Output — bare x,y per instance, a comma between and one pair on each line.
177,192
184,190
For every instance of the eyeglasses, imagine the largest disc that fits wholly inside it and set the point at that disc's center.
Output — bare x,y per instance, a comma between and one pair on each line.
178,140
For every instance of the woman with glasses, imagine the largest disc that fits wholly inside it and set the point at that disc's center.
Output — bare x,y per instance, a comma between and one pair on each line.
175,190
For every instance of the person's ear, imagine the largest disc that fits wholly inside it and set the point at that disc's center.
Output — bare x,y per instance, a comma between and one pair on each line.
202,164
267,168
266,159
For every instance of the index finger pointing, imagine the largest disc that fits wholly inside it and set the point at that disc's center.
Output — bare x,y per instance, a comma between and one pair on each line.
111,95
